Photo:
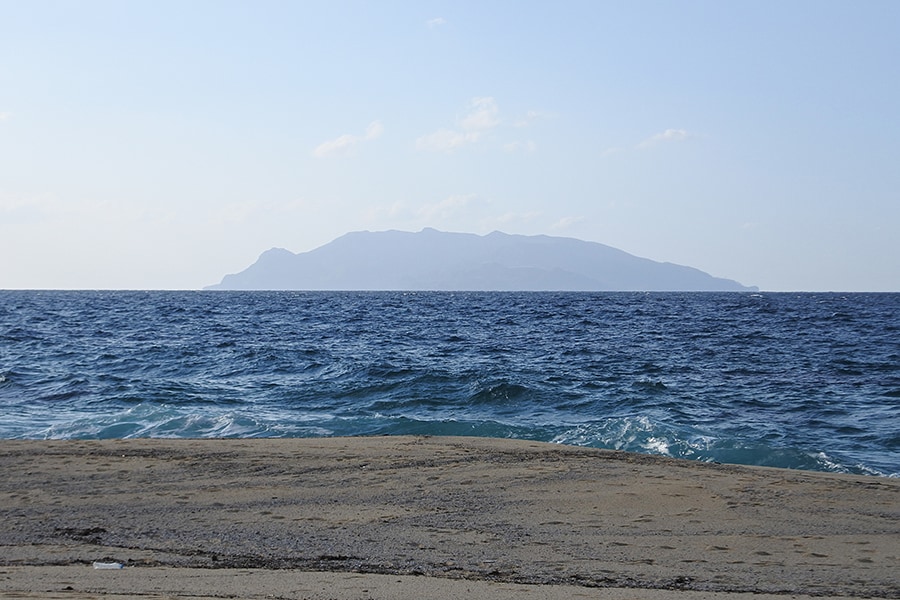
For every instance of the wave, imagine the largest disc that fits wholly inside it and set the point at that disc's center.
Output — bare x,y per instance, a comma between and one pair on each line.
631,433
768,379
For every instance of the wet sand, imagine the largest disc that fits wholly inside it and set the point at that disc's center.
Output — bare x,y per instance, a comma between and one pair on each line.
430,517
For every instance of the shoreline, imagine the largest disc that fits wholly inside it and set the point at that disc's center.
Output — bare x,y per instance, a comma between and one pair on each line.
449,511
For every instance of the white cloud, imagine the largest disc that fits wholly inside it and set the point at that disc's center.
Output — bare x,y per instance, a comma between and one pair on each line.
247,212
21,211
345,143
611,151
376,215
238,212
448,206
456,212
374,130
567,223
5,115
512,218
530,117
526,146
483,115
445,140
669,135
436,22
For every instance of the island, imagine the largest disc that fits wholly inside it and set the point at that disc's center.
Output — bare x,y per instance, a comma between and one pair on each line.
442,261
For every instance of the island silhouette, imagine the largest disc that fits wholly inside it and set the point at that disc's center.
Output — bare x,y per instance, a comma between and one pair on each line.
442,261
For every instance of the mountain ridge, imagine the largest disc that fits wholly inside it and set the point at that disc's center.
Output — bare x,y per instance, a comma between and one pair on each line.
451,261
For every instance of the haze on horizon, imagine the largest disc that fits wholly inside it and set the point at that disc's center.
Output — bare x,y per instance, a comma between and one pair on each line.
161,145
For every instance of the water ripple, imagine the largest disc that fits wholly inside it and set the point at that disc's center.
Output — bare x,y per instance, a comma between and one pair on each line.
807,381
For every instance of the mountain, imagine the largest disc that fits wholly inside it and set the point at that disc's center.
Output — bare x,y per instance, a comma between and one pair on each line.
436,260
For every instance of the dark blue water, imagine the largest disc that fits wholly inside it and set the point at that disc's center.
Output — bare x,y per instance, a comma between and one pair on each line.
807,381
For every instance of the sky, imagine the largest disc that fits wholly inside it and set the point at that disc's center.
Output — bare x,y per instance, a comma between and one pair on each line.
161,145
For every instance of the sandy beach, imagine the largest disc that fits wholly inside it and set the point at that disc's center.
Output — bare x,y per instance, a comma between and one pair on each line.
430,517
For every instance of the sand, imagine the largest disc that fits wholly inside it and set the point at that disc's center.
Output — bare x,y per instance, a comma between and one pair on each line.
431,517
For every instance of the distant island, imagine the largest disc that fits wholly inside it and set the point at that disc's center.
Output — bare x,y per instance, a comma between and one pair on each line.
442,261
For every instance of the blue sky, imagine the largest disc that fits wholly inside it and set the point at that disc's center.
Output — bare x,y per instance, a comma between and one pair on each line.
161,145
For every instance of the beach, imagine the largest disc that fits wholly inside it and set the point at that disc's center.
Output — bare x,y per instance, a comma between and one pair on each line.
430,517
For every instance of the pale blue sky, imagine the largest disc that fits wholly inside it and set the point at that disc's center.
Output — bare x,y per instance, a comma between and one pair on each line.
154,144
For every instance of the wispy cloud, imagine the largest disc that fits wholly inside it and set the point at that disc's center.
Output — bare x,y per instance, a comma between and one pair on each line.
436,22
5,115
20,211
612,151
567,223
514,218
482,116
448,206
429,213
71,210
530,117
669,135
521,146
458,212
347,142
665,137
446,140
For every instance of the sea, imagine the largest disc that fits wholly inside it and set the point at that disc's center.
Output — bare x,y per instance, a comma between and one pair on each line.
797,380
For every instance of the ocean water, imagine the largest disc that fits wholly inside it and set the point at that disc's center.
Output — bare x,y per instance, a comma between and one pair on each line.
805,381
